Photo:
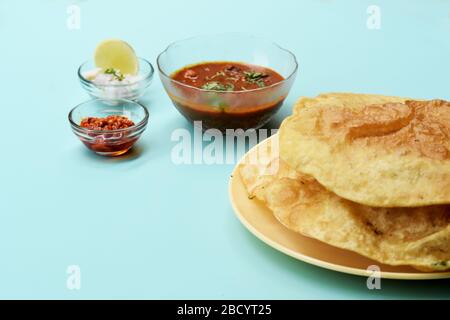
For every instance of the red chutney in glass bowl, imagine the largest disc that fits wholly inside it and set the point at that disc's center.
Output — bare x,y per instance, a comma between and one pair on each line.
109,127
107,123
100,143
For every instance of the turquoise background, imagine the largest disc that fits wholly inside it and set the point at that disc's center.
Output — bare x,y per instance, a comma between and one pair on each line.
140,226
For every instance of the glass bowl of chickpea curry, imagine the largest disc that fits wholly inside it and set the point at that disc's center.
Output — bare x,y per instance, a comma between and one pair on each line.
227,81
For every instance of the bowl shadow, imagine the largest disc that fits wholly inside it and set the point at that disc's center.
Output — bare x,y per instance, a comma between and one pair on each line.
134,153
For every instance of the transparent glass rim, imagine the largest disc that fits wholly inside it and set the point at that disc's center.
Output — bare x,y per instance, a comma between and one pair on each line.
147,76
292,74
137,126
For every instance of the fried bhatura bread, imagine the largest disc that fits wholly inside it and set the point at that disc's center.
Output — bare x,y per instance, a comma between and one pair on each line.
375,150
419,237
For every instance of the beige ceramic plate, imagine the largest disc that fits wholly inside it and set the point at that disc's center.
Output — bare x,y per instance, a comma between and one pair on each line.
260,221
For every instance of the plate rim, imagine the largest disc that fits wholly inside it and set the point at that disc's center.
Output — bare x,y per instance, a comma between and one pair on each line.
308,259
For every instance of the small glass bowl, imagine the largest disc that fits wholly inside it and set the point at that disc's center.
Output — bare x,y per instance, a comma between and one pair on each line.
130,91
109,142
227,109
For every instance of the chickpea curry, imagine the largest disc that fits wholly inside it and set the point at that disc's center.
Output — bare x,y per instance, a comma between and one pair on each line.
227,76
231,95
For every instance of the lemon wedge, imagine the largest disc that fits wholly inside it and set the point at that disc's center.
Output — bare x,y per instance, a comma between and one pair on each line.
116,54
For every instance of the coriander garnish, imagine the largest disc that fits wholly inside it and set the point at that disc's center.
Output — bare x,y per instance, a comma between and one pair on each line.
116,73
217,86
256,78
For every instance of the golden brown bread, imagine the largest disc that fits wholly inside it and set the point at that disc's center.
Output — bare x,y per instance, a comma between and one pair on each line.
419,237
371,149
